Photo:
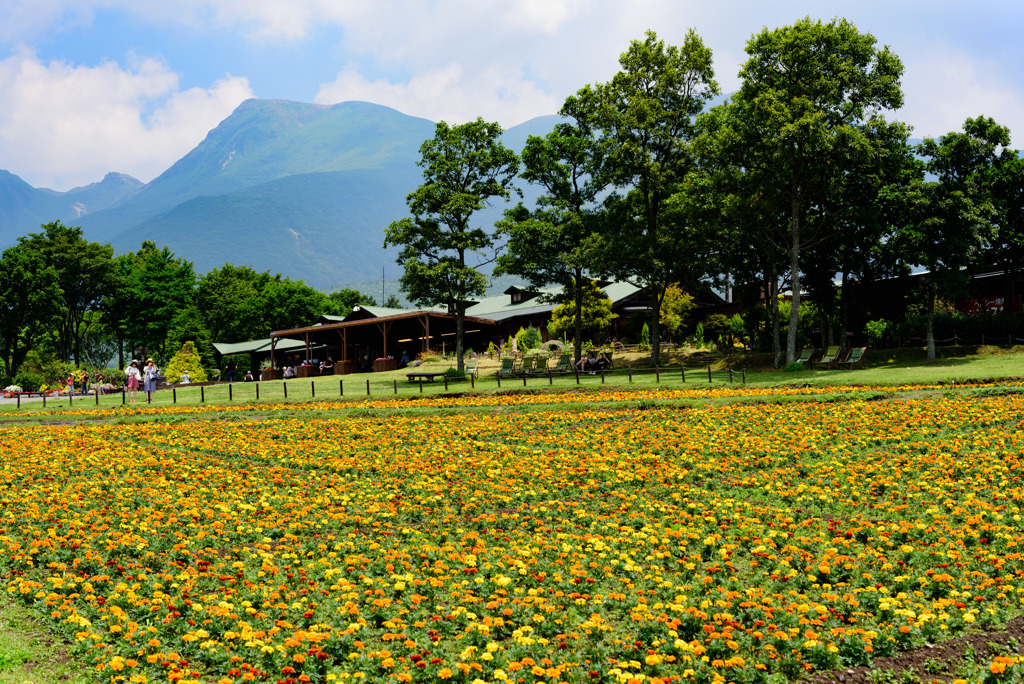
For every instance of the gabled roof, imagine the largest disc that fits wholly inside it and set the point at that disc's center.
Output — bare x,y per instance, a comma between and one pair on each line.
501,307
255,346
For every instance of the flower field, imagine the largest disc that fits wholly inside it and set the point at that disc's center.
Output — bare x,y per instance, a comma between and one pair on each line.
623,544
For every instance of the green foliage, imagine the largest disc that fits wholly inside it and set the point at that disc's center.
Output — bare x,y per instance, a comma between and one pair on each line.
528,338
39,368
801,125
29,381
186,359
645,337
346,299
675,305
491,350
155,286
554,243
697,339
29,292
953,218
793,367
595,317
654,234
392,302
85,275
464,167
875,331
187,326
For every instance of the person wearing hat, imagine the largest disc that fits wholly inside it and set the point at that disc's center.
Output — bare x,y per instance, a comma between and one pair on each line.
150,374
133,374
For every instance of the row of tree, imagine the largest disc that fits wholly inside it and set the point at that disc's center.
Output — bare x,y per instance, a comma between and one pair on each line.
75,299
795,178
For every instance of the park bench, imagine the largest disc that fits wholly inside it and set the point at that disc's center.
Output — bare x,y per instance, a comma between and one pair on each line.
413,377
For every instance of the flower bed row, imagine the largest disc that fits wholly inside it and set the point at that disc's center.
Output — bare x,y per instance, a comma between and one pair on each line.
619,545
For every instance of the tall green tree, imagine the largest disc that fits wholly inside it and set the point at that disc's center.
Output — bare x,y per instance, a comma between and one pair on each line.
464,168
229,299
288,303
646,119
85,276
807,91
29,296
596,313
954,218
153,287
346,299
1006,183
554,243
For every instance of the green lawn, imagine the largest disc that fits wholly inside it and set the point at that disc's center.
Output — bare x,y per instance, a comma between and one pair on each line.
881,367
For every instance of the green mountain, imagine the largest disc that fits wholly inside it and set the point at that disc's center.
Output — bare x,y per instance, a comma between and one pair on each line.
299,189
24,208
265,140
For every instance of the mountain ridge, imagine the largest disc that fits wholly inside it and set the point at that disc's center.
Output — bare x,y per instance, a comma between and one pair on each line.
269,176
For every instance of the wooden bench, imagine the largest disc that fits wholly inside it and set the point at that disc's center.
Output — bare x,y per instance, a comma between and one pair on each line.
413,377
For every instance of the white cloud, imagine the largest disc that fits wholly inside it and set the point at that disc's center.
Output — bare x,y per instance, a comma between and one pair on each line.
948,86
63,125
451,93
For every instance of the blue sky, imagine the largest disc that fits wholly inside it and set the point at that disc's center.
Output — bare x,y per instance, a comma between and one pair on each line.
92,86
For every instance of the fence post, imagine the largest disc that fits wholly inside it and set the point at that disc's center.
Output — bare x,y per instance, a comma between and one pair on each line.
231,392
149,398
97,395
395,380
472,381
285,386
709,375
629,370
744,372
445,383
71,394
497,376
257,391
367,387
341,388
19,400
312,388
524,378
421,384
122,397
602,376
202,394
730,376
576,368
657,375
682,371
174,396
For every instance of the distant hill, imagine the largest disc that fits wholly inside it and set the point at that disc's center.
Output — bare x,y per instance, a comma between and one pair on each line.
23,209
299,189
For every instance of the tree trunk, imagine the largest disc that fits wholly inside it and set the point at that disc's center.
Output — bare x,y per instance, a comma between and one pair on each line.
460,327
794,279
656,328
930,333
772,295
578,328
844,310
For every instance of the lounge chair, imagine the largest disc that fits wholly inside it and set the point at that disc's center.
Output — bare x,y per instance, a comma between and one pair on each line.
471,368
855,357
564,364
805,355
829,358
540,365
508,368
